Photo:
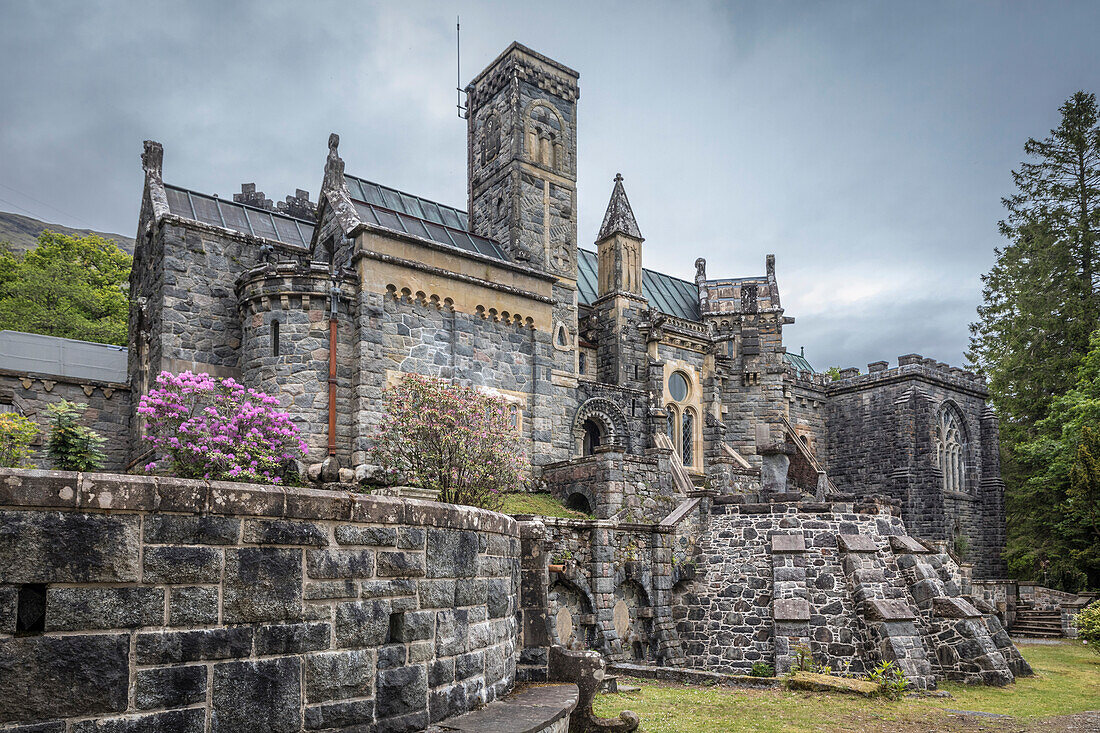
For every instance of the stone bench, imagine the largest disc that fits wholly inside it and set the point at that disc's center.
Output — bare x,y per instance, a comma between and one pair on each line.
536,709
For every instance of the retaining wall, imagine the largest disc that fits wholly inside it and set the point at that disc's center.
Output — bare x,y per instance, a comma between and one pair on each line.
219,607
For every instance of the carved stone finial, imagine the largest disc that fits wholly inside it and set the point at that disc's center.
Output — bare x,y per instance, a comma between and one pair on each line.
618,177
700,269
152,159
771,265
333,142
334,164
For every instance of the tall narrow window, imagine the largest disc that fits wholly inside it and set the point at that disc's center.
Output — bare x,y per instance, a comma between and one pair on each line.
274,338
949,450
687,438
670,419
582,362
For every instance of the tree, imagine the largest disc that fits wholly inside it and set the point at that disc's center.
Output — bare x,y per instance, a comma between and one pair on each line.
71,446
1041,299
1041,302
1054,515
73,287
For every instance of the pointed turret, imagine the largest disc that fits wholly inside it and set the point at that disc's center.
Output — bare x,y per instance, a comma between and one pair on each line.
619,217
619,246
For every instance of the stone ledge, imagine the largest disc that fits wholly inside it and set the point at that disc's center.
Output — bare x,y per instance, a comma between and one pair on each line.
891,610
692,676
949,607
906,544
530,710
40,489
856,543
827,683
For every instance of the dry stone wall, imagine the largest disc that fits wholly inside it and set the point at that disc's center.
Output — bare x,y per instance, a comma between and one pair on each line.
140,604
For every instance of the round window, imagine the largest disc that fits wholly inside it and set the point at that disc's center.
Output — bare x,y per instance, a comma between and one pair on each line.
678,386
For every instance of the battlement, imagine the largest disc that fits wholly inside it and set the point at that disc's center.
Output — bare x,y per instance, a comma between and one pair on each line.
910,366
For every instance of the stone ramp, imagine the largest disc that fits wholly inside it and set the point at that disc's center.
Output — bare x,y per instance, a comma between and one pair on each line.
534,709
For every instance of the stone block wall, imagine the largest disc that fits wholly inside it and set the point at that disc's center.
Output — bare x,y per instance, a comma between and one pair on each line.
837,578
141,603
108,410
616,484
882,440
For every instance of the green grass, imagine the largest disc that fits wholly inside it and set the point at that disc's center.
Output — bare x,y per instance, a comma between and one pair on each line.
541,504
1067,681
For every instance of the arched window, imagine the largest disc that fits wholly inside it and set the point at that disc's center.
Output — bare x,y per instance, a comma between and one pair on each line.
950,449
563,336
670,419
687,438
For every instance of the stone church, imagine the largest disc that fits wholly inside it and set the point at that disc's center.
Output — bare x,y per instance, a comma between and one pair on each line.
601,358
744,504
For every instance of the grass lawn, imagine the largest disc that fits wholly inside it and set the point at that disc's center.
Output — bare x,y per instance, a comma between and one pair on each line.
1067,681
541,504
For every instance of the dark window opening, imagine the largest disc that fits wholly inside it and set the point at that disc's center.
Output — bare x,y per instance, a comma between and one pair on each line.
31,609
393,635
563,338
635,371
274,338
582,362
578,502
639,651
591,437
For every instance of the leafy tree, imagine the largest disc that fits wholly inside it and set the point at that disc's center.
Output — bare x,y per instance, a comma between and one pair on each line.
1054,514
74,287
71,446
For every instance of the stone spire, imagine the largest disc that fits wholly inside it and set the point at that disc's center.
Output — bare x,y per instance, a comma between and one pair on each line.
619,218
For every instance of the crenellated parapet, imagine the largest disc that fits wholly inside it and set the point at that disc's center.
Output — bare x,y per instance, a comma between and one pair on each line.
910,366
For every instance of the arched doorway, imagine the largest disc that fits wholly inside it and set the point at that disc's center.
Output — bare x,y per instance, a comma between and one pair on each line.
593,437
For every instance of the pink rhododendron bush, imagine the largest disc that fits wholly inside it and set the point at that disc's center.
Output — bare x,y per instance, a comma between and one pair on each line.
214,428
456,440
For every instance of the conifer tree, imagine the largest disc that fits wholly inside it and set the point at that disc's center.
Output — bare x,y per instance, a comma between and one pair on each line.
1041,298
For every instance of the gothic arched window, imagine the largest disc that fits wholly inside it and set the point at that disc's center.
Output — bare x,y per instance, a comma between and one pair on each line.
950,449
681,422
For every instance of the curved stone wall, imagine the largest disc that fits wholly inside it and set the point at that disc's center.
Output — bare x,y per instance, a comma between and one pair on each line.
183,605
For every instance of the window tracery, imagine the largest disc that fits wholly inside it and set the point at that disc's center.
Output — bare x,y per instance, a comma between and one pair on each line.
950,449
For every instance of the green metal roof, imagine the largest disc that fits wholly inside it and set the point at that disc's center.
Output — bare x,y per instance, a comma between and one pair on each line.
799,362
667,294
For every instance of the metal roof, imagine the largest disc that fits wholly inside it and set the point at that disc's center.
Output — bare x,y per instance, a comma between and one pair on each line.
402,212
239,217
667,294
799,362
38,354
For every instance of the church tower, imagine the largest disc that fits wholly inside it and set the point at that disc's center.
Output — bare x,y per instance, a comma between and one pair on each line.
522,159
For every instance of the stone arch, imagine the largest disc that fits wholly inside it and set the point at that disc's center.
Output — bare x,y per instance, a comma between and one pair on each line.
545,133
632,618
572,617
608,416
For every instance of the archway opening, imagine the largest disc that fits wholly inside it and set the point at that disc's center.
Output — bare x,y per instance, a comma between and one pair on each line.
578,502
593,437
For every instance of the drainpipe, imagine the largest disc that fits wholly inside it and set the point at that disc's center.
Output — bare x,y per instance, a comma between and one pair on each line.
333,304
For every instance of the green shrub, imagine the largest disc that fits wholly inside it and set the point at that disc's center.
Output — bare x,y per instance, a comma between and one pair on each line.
762,669
16,434
1088,626
71,446
891,679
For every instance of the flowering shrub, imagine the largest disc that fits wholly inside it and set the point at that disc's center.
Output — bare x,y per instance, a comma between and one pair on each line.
217,429
1088,626
455,440
16,435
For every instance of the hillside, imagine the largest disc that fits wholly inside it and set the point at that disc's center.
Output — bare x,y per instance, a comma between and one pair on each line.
22,232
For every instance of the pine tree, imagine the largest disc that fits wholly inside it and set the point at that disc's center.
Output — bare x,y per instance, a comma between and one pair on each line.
1041,299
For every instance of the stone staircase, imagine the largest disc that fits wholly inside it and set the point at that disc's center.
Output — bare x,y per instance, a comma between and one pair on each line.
968,646
1036,622
891,633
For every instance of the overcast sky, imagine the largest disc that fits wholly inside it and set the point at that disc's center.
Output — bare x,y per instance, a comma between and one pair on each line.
866,145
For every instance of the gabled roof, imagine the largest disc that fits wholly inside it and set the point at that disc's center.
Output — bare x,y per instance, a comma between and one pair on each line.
239,217
799,362
619,217
402,212
665,293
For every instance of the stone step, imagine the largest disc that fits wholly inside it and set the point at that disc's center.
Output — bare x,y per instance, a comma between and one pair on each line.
531,710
